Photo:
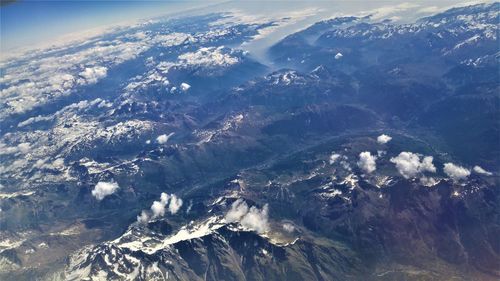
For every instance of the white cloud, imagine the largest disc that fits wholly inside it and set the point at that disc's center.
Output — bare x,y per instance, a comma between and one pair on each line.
103,189
58,163
189,207
481,171
384,12
209,57
175,204
426,165
185,87
164,197
410,166
257,219
383,139
334,157
39,163
251,218
34,79
238,209
24,147
162,139
93,74
50,74
456,172
429,10
158,207
143,217
5,150
168,202
436,9
367,162
288,227
427,181
173,39
35,119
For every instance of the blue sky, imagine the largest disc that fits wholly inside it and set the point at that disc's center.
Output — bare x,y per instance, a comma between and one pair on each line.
30,22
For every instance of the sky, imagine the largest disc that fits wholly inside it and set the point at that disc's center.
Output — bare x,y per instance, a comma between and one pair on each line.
30,24
33,22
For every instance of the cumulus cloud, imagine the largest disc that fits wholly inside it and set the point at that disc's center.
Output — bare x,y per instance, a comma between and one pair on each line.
479,170
5,150
185,87
58,163
168,202
159,207
93,74
162,139
367,162
143,217
48,75
103,189
427,181
238,209
23,148
456,172
383,138
409,164
209,57
334,157
252,218
256,219
175,204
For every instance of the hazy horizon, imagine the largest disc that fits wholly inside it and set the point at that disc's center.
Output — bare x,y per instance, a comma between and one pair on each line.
32,24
